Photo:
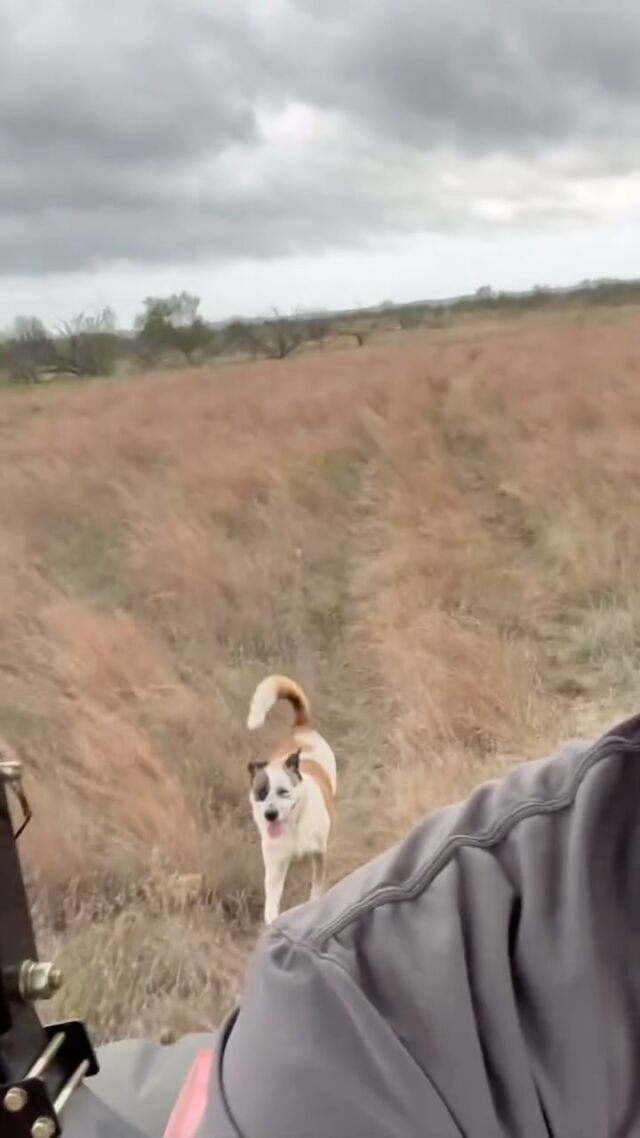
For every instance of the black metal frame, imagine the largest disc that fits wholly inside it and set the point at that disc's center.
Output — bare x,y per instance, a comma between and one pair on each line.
40,1066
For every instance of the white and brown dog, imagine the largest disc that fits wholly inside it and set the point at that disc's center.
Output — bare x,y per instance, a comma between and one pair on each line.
292,793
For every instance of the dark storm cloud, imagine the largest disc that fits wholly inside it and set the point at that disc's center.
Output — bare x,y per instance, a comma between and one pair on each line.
485,75
147,132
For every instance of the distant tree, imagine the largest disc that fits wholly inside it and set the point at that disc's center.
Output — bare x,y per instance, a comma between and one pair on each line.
172,323
281,335
275,338
28,328
484,293
178,310
241,336
192,338
87,345
84,346
28,349
101,323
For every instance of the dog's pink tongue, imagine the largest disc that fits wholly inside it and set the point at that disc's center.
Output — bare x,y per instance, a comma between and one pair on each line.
274,829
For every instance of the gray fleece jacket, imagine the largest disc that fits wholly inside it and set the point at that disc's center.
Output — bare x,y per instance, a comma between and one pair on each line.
482,978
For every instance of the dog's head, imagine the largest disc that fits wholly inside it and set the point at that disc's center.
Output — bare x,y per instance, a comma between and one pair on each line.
276,792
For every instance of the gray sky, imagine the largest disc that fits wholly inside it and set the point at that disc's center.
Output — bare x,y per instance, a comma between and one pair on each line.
312,152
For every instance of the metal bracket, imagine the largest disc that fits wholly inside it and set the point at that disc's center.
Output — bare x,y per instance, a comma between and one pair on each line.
31,1107
40,1066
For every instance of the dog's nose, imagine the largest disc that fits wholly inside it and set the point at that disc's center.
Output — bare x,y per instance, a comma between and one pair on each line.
271,815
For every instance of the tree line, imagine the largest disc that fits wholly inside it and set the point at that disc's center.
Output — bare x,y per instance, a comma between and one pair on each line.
168,328
171,330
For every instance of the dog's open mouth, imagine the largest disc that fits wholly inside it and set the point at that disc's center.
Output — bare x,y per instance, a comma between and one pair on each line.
275,829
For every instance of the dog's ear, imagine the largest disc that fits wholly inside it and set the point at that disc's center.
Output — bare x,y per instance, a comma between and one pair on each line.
253,769
293,764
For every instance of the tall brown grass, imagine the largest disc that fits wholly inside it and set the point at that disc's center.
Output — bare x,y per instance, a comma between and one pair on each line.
439,539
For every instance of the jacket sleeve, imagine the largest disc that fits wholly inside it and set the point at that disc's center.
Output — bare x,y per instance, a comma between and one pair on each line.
309,1057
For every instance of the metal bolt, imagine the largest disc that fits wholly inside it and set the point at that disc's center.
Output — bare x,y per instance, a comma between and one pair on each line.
43,1128
39,980
15,1100
10,766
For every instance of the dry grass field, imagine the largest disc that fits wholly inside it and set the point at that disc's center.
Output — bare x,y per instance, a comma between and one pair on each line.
438,535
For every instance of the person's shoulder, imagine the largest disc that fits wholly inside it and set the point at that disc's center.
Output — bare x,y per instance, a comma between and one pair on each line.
546,787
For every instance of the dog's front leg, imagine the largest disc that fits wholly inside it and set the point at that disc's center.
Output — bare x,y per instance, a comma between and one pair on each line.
275,874
318,870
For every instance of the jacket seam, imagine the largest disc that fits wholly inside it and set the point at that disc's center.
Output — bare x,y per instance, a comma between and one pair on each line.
425,876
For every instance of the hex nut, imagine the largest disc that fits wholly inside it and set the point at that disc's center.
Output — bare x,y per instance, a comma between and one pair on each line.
43,1128
39,980
15,1100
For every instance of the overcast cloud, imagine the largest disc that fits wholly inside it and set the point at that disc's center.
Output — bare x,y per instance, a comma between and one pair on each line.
160,136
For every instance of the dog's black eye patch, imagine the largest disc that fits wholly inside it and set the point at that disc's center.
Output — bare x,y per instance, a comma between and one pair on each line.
260,780
261,786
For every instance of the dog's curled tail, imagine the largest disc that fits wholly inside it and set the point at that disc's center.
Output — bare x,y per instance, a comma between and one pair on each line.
269,691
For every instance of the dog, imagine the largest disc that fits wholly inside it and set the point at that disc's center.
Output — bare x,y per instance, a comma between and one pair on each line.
293,793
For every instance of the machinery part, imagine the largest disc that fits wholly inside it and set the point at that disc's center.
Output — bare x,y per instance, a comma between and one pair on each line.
56,1057
43,1128
15,1100
39,980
